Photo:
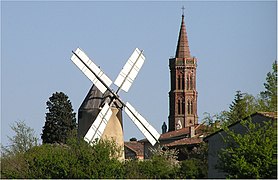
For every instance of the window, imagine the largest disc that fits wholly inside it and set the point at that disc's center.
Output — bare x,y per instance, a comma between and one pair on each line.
179,82
191,83
188,107
191,107
179,107
187,82
183,84
183,107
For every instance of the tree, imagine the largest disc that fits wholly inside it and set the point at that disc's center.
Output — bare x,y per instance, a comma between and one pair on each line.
192,168
77,159
243,105
212,123
269,96
23,140
162,164
250,155
196,163
13,164
60,119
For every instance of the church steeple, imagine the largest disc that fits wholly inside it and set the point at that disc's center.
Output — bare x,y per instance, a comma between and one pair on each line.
182,47
183,93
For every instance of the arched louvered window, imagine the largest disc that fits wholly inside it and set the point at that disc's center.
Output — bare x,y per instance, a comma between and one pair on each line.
187,82
179,107
188,107
191,107
183,83
191,83
183,107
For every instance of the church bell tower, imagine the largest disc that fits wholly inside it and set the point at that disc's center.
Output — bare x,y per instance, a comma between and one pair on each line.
183,93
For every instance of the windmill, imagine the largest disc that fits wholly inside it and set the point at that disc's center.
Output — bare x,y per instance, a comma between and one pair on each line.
123,82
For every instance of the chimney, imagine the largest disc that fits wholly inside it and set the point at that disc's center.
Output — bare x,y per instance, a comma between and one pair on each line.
191,131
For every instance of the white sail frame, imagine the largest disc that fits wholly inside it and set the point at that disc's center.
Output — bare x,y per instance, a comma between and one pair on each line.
130,70
149,132
97,128
83,62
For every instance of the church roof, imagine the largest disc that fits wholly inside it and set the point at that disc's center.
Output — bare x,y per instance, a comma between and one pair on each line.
185,141
199,129
182,47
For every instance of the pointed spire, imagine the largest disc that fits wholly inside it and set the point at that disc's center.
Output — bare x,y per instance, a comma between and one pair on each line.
182,47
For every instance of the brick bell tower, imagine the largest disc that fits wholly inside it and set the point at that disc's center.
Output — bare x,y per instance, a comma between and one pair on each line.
183,93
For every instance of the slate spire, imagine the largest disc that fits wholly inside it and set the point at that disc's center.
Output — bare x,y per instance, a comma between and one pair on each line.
182,47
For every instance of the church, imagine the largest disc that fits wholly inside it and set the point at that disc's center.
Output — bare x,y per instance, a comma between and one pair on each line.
183,127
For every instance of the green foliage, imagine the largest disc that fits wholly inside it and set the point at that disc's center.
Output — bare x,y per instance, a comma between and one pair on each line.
49,161
211,122
23,140
243,105
250,155
131,169
162,165
77,159
60,120
192,168
196,163
268,99
13,166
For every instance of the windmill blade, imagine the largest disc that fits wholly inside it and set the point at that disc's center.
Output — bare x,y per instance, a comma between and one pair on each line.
130,70
97,128
149,132
91,70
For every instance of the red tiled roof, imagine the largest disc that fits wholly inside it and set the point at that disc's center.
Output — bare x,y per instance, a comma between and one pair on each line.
136,147
182,131
269,114
185,141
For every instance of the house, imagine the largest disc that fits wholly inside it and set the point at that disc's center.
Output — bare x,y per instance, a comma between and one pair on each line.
188,137
216,141
134,150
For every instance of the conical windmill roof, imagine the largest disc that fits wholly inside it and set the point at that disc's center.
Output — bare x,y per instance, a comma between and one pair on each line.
95,99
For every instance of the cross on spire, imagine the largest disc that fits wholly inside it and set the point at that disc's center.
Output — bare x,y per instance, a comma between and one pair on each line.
183,10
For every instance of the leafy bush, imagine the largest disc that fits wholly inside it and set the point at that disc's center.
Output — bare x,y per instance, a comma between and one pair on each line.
77,159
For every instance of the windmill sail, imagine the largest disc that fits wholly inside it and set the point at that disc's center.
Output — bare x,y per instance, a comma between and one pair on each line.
130,70
149,132
90,69
123,81
97,128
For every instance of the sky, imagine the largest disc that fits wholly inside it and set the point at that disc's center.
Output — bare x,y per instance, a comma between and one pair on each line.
235,43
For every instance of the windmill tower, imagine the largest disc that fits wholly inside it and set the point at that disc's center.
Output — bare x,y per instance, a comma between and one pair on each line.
103,116
89,110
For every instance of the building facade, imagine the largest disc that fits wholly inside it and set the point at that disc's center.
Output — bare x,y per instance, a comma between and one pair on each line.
216,141
183,93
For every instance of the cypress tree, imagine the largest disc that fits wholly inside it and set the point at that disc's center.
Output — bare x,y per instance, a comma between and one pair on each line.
60,119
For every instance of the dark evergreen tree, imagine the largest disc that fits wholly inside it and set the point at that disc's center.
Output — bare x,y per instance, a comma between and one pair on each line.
243,105
269,96
237,110
60,119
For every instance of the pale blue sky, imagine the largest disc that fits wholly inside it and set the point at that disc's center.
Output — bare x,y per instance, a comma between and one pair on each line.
234,42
